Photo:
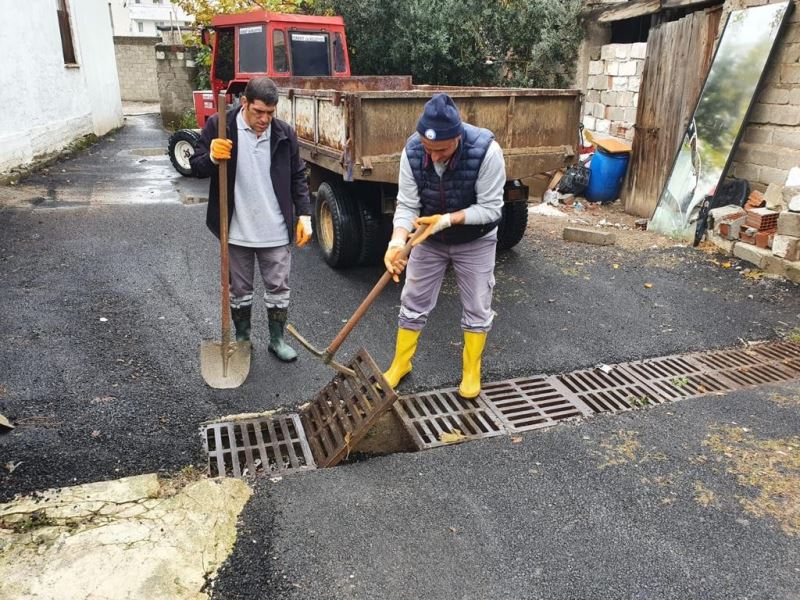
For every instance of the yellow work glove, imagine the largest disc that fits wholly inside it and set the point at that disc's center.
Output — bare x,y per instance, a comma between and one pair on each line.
304,231
221,149
435,224
395,264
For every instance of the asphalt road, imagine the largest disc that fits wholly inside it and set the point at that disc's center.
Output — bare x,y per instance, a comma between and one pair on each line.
109,285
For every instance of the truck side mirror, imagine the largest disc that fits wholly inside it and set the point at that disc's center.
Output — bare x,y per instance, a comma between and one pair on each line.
205,37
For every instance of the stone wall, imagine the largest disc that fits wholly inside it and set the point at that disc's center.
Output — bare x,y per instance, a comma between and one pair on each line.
770,145
136,67
176,70
612,90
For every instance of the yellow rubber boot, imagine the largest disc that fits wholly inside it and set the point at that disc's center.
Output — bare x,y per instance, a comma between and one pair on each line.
403,353
473,350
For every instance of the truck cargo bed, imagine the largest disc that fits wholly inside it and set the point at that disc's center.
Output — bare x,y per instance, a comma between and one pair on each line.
358,126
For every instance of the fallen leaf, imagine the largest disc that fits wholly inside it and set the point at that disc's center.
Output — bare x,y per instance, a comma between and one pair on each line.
615,266
648,285
754,274
516,439
726,265
4,422
11,466
452,437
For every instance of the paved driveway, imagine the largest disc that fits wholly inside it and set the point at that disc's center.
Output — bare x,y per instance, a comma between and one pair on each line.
109,286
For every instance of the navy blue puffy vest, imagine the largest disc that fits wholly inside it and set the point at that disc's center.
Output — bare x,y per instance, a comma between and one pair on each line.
455,190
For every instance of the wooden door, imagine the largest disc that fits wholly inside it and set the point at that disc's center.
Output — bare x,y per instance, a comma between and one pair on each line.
678,57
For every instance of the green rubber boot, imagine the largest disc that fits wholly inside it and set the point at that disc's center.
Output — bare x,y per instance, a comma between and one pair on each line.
241,321
277,323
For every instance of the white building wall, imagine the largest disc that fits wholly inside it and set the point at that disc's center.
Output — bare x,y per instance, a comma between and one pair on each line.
130,15
45,103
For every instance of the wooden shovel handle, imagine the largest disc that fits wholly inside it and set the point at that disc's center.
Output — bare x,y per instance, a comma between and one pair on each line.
223,228
364,306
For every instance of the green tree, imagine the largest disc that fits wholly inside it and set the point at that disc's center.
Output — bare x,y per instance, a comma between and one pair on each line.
462,42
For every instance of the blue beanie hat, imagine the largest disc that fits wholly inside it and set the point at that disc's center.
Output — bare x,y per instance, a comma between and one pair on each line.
440,119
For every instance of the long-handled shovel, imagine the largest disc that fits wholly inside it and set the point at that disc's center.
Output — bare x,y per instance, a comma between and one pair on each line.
224,364
328,354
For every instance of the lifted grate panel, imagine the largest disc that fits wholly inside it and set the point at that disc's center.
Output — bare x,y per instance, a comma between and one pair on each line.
342,413
609,392
532,402
270,445
427,417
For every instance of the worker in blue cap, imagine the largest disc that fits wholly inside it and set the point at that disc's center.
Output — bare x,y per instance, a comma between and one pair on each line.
452,176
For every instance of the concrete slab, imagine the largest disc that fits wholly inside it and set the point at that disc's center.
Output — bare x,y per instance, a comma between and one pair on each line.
136,537
589,236
752,254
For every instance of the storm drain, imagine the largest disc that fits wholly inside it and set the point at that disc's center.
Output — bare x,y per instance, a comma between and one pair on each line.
608,389
330,426
757,365
343,412
442,417
787,354
677,377
532,402
273,445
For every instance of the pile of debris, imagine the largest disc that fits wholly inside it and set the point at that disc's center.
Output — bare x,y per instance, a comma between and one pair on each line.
766,230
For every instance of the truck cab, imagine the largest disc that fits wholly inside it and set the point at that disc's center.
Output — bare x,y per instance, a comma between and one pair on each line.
267,44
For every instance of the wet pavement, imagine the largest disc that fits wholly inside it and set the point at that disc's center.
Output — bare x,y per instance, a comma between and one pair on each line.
109,284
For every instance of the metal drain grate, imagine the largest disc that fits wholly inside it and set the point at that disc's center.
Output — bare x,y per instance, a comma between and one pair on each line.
345,409
784,354
428,417
745,368
532,402
270,445
609,392
676,377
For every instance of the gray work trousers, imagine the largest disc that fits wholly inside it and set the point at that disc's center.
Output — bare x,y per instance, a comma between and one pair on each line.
473,264
274,264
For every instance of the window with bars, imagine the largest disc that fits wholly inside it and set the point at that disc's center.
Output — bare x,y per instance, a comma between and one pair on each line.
62,9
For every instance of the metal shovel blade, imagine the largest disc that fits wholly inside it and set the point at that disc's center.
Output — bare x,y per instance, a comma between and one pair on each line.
216,373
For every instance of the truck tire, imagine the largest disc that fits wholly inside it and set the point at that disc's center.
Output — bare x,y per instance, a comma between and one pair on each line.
512,224
181,149
337,225
373,234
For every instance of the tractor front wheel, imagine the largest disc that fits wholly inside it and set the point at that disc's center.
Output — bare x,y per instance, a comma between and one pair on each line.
181,149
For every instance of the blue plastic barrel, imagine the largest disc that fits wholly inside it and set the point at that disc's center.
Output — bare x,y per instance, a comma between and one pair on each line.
606,173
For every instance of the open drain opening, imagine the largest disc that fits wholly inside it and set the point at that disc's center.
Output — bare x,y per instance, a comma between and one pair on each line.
350,422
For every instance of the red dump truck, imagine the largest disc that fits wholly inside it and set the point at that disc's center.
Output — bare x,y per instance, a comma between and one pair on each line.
352,129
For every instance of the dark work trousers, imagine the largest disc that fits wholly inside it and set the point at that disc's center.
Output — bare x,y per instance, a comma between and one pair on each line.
274,265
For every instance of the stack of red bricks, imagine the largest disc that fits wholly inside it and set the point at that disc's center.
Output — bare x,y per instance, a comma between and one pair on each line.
760,226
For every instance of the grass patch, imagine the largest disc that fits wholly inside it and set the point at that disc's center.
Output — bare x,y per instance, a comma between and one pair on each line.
770,466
